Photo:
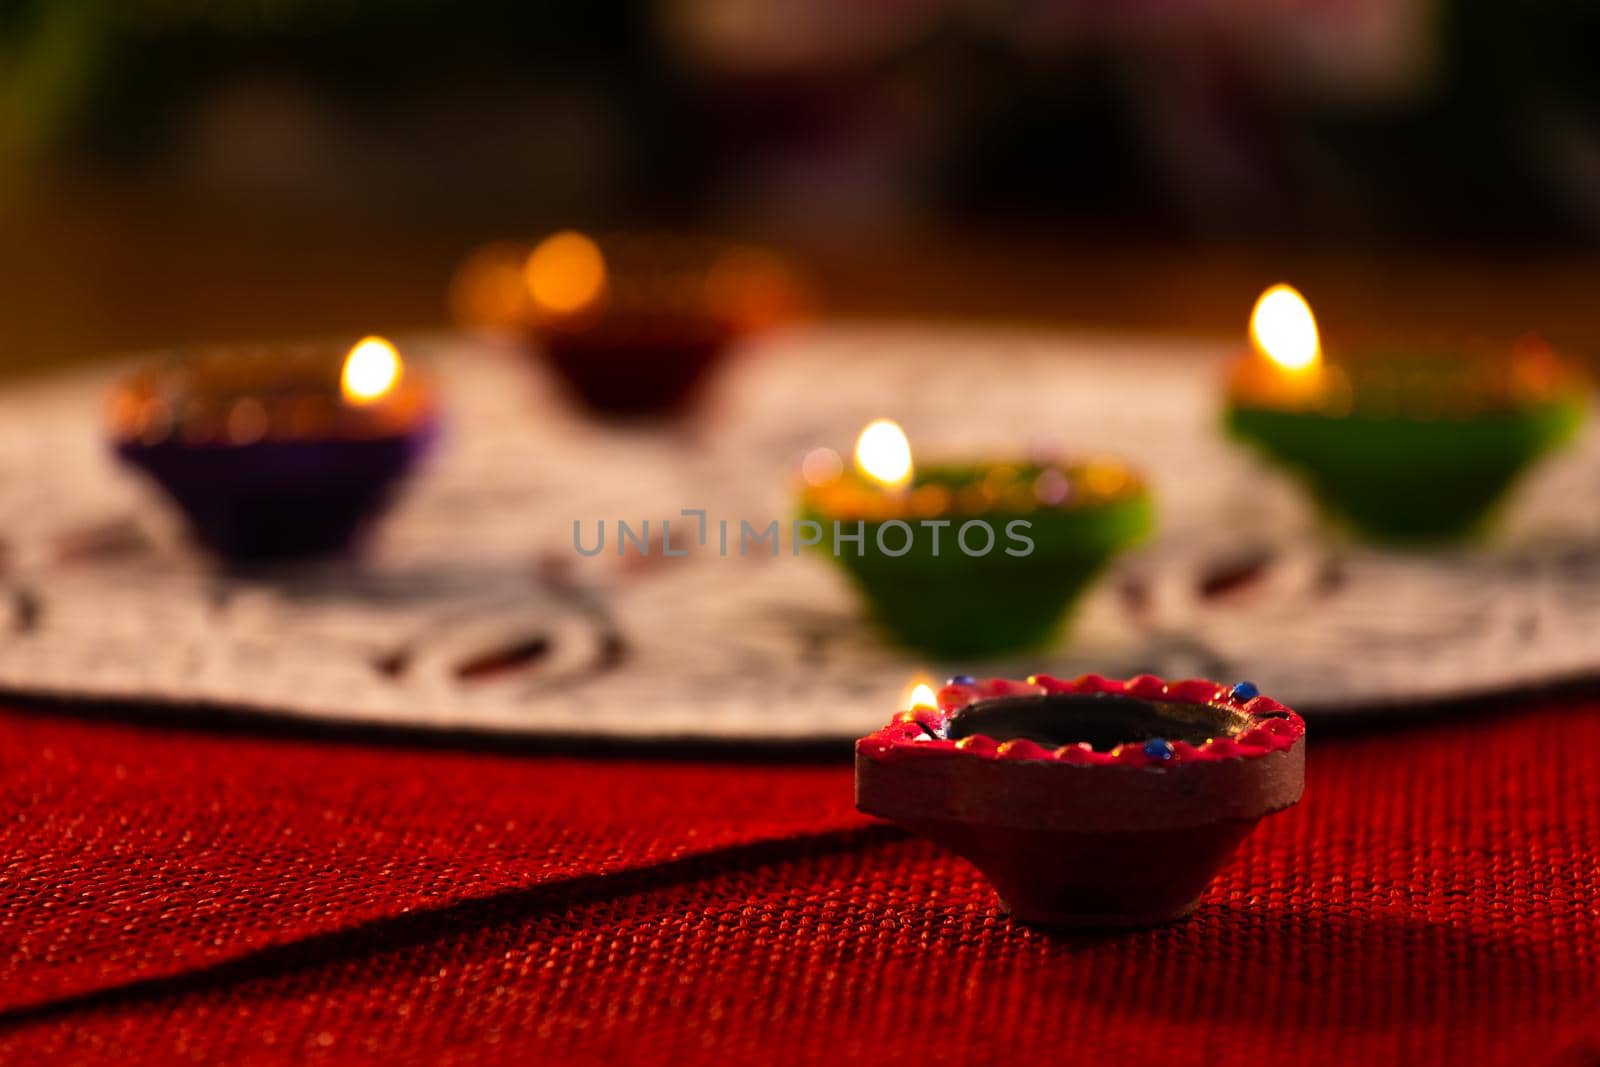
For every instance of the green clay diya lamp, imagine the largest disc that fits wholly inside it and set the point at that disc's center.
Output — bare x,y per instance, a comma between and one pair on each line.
1400,443
1087,802
969,560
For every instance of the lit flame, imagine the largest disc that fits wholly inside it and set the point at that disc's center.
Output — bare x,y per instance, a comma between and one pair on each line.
884,455
566,273
1284,330
922,696
370,371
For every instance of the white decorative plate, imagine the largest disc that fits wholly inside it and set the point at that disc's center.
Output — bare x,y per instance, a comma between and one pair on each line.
473,611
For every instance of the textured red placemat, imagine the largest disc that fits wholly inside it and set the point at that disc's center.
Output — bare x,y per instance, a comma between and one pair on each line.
172,896
135,854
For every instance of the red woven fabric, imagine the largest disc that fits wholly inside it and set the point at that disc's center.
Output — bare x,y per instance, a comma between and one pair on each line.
171,895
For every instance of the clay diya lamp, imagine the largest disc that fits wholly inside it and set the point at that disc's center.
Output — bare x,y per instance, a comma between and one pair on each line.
636,324
1087,803
973,559
276,452
1399,442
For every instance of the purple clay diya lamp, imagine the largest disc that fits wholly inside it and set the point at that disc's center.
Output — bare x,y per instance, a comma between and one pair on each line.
276,453
636,324
1092,802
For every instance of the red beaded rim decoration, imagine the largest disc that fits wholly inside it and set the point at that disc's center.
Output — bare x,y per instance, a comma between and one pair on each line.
923,731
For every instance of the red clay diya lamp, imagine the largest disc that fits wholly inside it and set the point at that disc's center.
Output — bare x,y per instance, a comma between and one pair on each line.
1091,802
635,324
971,559
1401,442
276,452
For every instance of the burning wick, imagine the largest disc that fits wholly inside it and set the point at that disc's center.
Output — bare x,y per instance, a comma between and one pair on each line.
922,696
1283,330
884,455
370,371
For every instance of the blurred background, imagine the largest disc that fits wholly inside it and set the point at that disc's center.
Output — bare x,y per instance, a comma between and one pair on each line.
206,170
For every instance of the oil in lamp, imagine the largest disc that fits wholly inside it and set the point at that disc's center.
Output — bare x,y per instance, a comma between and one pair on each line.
276,452
969,559
1089,802
1401,442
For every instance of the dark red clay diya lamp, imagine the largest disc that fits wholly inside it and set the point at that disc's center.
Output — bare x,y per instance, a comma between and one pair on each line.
1400,443
635,324
973,559
1087,803
276,452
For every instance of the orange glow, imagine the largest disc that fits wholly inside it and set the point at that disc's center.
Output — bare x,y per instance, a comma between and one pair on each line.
922,696
489,289
247,421
1283,329
752,289
371,371
883,454
566,273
